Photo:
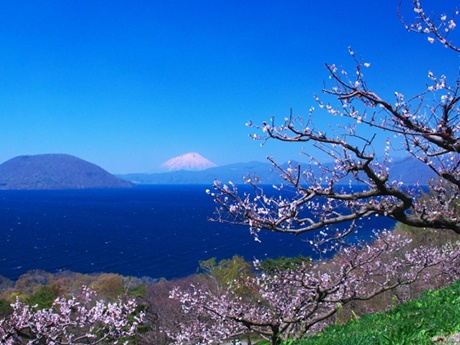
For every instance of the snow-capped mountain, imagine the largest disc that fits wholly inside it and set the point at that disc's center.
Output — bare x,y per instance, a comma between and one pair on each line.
188,161
409,171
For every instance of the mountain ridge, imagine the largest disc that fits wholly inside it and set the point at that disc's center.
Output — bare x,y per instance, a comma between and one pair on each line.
235,172
408,170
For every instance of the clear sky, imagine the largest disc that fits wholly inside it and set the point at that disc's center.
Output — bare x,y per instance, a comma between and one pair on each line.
129,84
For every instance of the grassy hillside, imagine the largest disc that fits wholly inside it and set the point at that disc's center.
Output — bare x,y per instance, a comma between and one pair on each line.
435,314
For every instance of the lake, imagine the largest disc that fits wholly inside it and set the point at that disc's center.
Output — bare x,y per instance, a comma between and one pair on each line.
155,231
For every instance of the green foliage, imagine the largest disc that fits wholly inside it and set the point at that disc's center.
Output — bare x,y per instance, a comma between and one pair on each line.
283,263
415,322
5,308
44,296
138,291
423,236
226,271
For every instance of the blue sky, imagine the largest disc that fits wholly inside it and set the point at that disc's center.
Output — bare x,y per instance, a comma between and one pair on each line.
129,84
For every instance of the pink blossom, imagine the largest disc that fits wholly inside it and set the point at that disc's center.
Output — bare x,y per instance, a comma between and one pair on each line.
78,320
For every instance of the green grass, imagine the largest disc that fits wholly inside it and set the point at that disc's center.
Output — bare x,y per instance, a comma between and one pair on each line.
415,322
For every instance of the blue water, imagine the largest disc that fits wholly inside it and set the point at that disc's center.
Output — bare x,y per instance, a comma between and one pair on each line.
154,231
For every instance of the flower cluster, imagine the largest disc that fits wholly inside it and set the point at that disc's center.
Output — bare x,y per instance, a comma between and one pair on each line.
426,126
437,28
78,320
330,199
289,303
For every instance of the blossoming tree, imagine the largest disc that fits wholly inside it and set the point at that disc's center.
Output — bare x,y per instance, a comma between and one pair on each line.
79,320
426,125
290,303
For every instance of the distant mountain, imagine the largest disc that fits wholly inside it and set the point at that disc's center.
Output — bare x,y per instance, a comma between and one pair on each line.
55,171
233,172
408,170
190,161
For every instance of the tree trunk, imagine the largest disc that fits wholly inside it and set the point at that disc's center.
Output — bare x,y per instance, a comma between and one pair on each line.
275,338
